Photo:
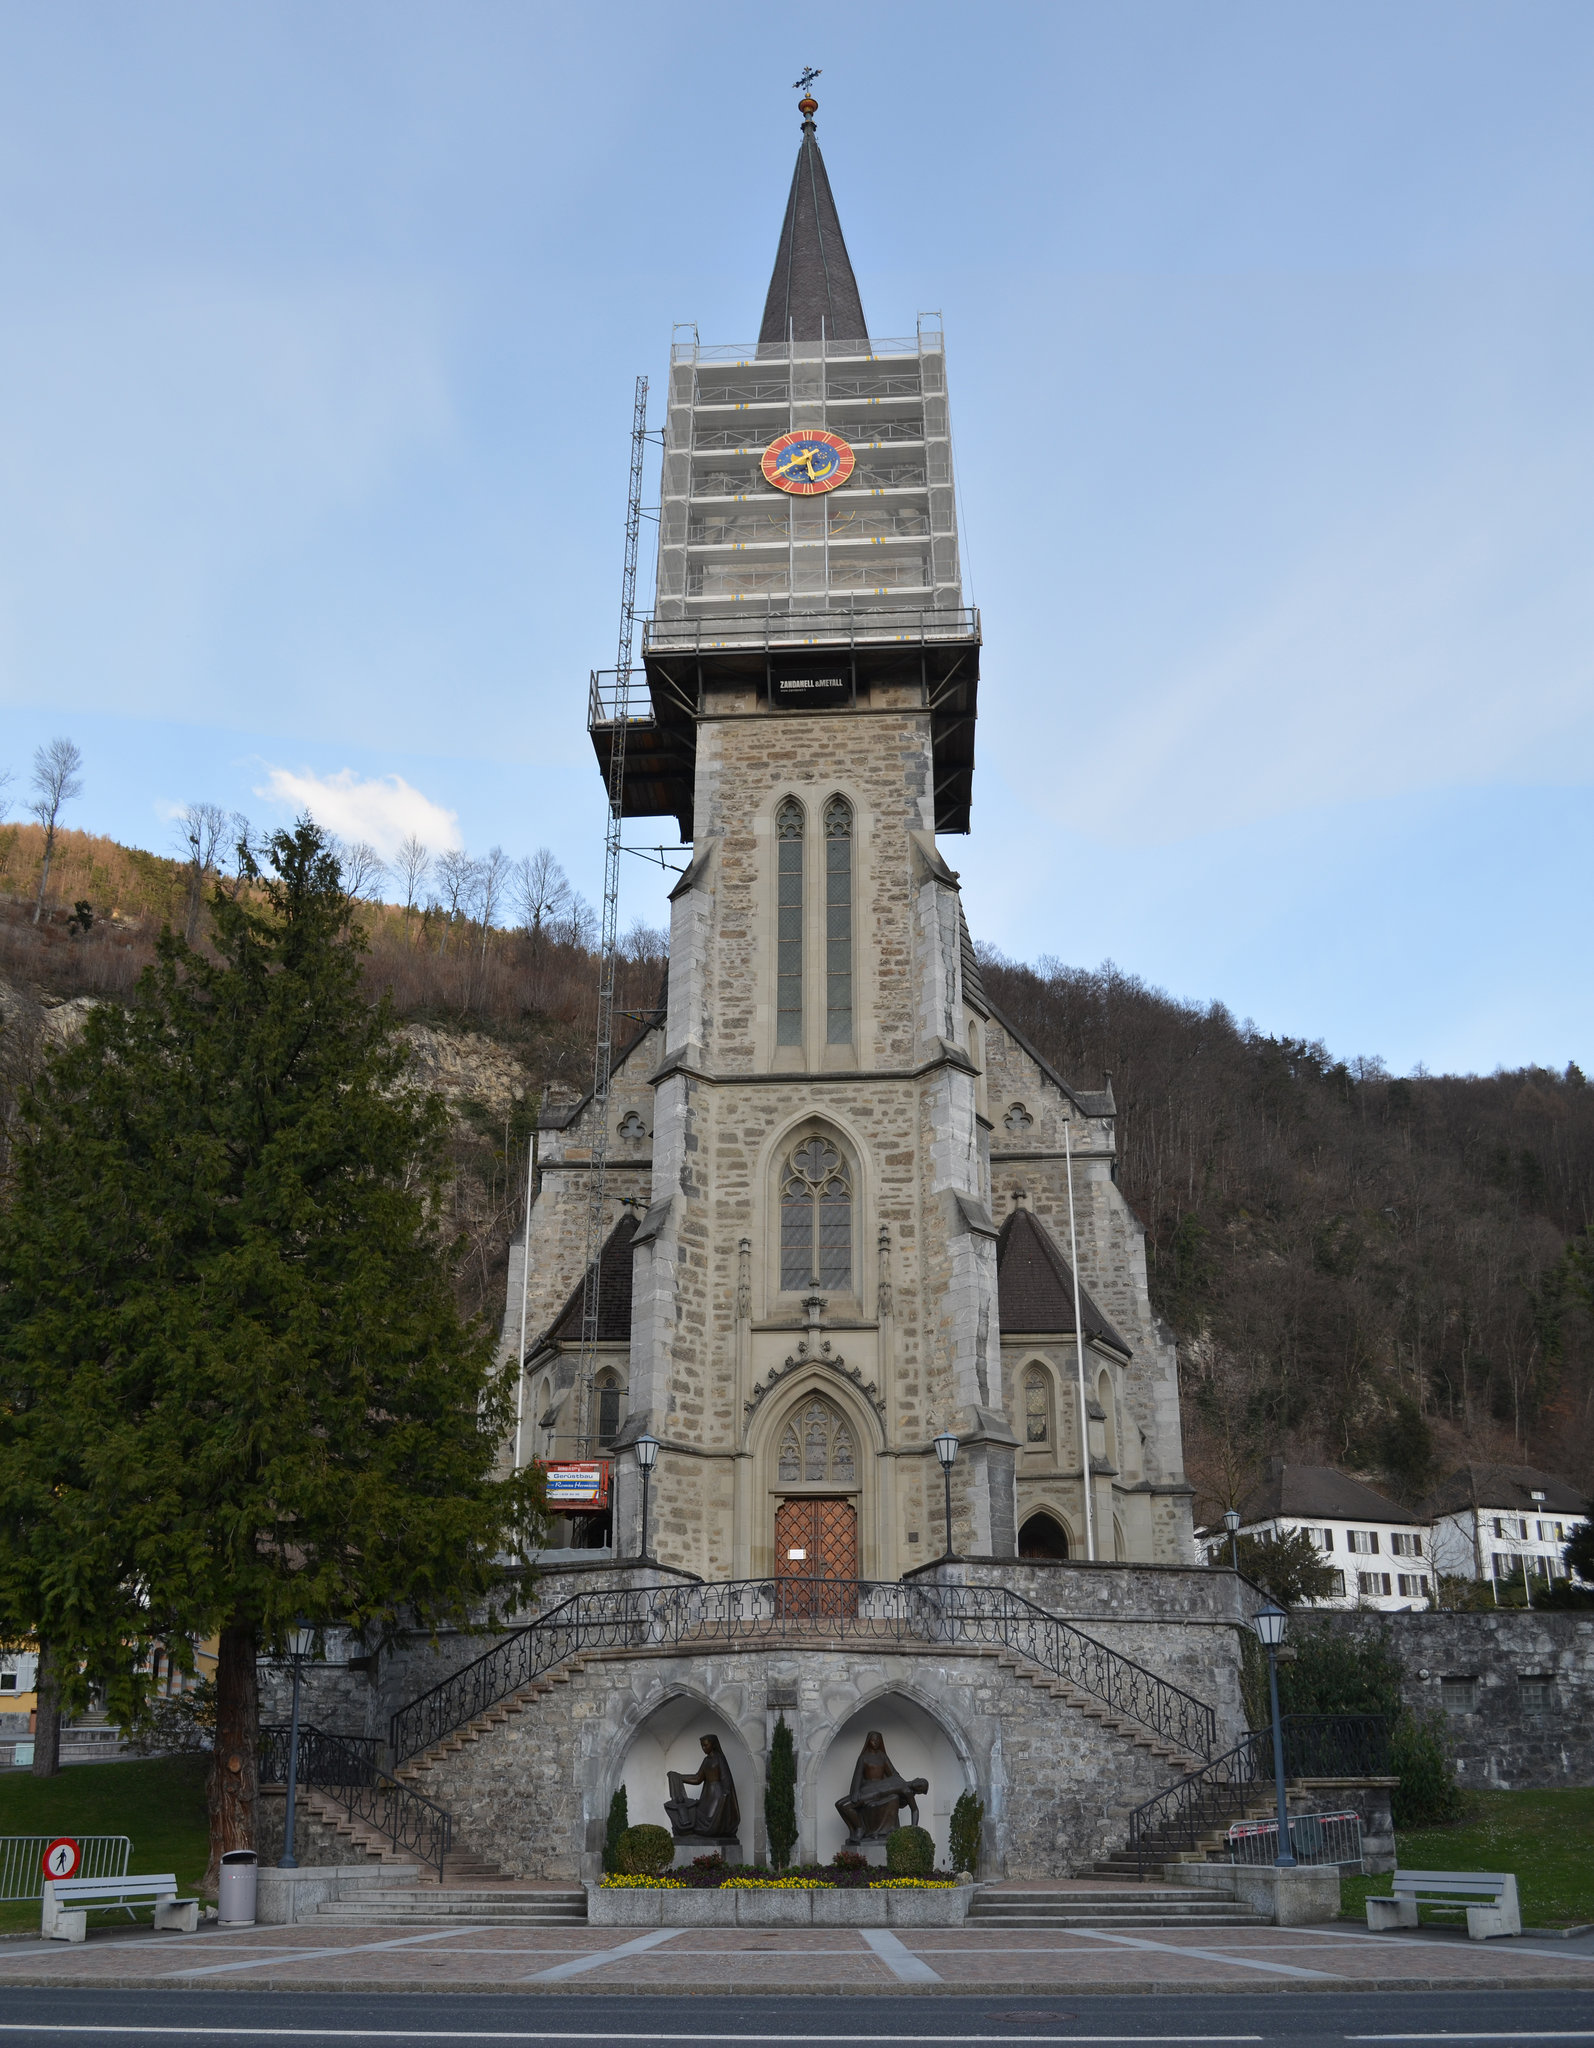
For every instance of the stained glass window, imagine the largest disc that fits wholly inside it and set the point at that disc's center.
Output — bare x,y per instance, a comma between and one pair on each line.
1037,1407
789,924
816,1219
838,921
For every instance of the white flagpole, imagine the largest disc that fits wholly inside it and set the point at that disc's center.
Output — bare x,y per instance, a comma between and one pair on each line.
1079,1351
525,1288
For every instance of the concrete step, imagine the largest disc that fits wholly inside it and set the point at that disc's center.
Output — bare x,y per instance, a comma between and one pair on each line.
1149,1916
434,1905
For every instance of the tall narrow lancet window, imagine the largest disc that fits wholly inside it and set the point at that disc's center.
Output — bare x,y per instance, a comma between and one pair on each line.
838,921
789,924
816,1219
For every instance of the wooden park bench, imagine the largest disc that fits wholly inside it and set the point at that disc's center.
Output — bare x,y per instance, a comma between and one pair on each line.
68,1902
1497,1913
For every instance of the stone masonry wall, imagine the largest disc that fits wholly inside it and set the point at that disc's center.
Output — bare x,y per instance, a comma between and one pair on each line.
1510,1738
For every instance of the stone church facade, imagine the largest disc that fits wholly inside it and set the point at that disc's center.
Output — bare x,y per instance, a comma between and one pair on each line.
843,1190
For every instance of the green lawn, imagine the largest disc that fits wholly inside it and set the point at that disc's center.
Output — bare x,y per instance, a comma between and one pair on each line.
1546,1838
159,1802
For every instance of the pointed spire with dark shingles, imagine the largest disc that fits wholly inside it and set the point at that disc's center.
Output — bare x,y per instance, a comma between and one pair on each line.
813,281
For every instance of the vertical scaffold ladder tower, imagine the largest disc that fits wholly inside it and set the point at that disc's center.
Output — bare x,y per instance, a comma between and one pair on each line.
603,1051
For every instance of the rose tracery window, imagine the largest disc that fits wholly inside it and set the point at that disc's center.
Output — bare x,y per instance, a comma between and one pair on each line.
816,1448
816,1218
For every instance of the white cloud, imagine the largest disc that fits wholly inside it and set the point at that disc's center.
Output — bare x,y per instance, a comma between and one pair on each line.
382,809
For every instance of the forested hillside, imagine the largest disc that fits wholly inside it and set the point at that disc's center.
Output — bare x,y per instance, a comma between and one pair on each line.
1385,1273
1382,1273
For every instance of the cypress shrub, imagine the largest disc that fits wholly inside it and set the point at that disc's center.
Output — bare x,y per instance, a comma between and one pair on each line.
967,1818
780,1796
619,1821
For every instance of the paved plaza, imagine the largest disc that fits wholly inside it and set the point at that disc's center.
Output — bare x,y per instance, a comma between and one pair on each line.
1338,1957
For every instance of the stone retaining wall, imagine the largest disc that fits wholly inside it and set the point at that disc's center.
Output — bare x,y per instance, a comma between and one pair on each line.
1512,1737
531,1795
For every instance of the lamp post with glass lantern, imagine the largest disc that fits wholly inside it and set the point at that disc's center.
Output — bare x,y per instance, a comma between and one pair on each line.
946,1449
1231,1522
1270,1625
301,1648
647,1454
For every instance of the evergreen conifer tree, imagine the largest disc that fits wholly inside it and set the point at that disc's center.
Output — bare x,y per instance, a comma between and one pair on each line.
619,1821
780,1796
235,1386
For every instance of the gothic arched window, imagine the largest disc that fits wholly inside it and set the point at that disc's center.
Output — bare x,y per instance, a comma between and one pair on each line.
1037,1406
789,923
816,1448
610,1402
838,921
816,1219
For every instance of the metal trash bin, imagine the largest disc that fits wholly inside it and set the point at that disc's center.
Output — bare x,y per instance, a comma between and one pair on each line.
239,1876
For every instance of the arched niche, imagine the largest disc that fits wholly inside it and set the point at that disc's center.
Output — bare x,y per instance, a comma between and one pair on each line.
668,1739
917,1745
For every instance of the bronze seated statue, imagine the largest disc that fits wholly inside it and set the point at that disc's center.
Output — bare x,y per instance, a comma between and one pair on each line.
713,1815
871,1807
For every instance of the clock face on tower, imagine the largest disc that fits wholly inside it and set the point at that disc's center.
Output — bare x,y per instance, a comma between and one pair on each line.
808,461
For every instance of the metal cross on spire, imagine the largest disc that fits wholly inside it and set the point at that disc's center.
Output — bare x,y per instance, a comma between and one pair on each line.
809,75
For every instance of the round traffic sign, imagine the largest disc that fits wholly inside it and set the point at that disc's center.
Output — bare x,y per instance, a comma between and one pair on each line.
62,1857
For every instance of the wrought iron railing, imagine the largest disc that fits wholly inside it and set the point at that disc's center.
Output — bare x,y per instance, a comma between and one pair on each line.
642,1618
1315,1746
345,1768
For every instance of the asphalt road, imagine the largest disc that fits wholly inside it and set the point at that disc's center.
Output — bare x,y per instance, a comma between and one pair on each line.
48,2018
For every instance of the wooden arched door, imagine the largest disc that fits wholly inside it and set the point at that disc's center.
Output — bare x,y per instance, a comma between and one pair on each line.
816,1557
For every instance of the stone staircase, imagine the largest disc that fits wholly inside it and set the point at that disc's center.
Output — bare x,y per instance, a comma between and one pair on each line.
1110,1908
1096,1710
361,1840
1210,1847
441,1905
414,1768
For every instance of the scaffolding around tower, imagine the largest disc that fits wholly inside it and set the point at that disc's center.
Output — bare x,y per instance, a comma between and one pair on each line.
609,941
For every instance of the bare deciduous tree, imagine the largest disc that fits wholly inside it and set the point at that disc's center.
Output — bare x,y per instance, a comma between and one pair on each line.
645,946
411,866
541,891
364,869
56,782
492,879
456,879
203,828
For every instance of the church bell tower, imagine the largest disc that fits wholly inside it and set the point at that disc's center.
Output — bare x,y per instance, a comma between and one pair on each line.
805,1285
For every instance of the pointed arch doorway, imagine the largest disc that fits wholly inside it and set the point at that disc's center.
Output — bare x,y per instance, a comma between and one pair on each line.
816,1557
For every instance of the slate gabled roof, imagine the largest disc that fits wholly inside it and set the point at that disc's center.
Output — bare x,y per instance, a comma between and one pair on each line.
1508,1487
1310,1491
614,1294
1035,1286
813,289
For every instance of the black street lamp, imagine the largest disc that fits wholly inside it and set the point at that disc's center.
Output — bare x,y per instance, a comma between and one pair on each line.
647,1453
1231,1522
301,1648
1270,1625
946,1449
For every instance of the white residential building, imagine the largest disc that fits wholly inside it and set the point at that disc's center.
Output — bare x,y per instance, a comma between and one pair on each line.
1379,1553
1506,1523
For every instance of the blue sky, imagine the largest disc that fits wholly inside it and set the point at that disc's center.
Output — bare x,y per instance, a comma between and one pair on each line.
1271,337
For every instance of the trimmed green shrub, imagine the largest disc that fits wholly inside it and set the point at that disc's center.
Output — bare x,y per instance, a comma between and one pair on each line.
910,1852
619,1821
645,1850
1427,1795
967,1819
780,1796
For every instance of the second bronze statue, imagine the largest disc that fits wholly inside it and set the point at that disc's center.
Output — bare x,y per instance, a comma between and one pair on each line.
877,1794
714,1813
